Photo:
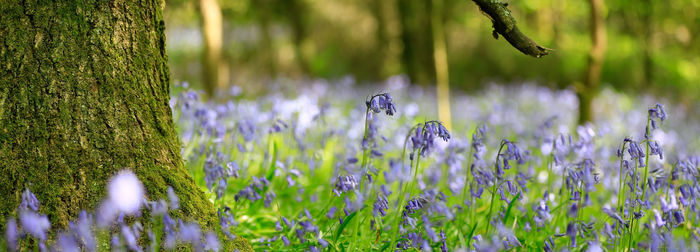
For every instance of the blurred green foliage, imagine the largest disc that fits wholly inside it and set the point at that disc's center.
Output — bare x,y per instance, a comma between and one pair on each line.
652,46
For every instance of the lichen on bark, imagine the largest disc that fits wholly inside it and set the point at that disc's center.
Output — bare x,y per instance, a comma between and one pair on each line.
84,91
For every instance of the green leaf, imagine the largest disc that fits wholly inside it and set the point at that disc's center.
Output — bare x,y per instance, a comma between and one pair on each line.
510,206
471,234
345,223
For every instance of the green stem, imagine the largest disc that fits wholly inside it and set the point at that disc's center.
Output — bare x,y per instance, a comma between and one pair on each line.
493,189
401,198
621,192
468,169
646,169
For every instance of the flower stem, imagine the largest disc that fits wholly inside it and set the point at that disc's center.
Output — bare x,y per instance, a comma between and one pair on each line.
493,189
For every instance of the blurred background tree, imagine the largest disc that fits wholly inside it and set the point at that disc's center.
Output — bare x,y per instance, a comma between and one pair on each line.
651,47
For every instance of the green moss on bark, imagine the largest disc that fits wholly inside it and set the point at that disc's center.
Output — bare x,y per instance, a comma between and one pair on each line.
84,91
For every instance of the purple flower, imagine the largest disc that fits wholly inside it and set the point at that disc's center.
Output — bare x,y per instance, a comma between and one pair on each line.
571,231
126,192
34,224
82,229
278,126
66,242
380,102
130,238
226,221
657,112
247,129
425,134
380,205
344,184
11,234
189,233
29,201
172,197
211,242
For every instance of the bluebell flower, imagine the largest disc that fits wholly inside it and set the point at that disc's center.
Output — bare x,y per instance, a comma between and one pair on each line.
287,222
232,169
381,204
172,197
189,233
331,212
82,229
285,241
269,197
169,232
510,241
425,134
211,242
116,244
344,184
247,129
226,221
678,216
213,171
381,102
657,112
278,126
571,231
29,201
549,245
11,234
130,238
35,224
666,207
323,243
67,242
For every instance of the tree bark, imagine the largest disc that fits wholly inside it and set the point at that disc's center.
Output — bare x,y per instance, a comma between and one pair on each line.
84,93
595,61
504,24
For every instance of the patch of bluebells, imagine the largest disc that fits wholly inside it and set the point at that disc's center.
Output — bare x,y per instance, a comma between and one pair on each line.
566,177
126,198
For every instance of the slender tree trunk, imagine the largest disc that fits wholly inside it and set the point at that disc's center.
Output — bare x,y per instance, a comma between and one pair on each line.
595,61
296,10
417,54
441,64
267,51
648,9
387,37
214,69
84,91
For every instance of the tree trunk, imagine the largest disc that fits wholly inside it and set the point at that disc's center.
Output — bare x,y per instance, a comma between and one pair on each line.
441,64
595,61
417,53
266,49
296,13
387,34
84,91
214,69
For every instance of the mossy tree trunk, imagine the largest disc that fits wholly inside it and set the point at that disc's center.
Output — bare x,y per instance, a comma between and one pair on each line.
84,91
